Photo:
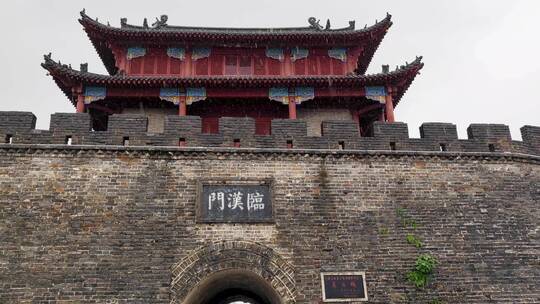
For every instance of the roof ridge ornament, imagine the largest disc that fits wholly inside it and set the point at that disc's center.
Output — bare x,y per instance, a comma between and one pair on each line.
48,57
161,22
315,24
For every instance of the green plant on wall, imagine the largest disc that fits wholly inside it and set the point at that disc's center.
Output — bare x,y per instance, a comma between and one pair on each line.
425,263
413,240
423,269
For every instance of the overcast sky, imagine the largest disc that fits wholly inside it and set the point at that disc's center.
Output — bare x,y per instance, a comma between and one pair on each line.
481,57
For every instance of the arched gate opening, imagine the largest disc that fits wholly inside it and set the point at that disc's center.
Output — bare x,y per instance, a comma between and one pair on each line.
228,271
231,286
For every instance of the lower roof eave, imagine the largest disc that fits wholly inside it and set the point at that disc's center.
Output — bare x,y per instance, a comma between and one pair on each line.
400,80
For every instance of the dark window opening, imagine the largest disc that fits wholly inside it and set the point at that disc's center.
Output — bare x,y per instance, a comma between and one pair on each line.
366,126
341,145
125,141
9,139
182,142
491,147
442,147
392,146
289,144
100,120
236,143
68,140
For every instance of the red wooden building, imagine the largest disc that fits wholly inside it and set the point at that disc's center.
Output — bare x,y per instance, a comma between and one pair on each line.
312,73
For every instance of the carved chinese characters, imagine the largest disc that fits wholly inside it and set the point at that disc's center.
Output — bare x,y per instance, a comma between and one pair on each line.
226,202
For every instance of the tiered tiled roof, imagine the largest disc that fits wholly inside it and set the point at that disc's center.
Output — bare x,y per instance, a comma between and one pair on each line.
161,34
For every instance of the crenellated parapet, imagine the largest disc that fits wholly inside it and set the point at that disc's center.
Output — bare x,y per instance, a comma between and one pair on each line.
128,129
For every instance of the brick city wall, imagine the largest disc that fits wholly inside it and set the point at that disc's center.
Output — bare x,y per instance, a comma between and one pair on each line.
112,224
19,127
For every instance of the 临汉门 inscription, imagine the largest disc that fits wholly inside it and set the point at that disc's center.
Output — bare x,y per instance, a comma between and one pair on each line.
235,203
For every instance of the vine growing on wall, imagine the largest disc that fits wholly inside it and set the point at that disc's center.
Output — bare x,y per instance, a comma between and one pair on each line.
424,266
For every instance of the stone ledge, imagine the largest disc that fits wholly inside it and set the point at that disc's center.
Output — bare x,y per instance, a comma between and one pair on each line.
224,150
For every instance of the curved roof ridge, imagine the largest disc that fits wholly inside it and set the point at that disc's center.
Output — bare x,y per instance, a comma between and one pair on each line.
162,26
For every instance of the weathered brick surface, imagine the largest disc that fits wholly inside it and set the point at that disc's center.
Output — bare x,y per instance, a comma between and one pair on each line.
93,225
11,121
19,126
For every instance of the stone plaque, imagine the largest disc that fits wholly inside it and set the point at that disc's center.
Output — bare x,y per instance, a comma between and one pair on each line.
235,201
343,286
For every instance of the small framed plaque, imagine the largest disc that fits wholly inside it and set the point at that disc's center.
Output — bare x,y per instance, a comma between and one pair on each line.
344,286
235,201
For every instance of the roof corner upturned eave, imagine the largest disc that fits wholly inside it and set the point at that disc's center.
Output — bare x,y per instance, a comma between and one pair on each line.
91,27
378,36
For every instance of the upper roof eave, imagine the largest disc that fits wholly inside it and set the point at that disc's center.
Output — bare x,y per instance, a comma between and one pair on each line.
368,37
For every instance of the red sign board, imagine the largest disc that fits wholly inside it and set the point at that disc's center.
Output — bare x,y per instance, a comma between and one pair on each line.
344,286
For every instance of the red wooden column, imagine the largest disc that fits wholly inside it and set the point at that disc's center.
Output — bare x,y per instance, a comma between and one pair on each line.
80,103
389,105
78,91
292,108
182,108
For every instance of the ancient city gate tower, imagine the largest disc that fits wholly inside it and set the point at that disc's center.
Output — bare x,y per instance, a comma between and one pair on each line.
219,164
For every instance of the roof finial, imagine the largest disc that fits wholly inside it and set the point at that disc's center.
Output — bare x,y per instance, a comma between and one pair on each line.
84,67
145,23
47,57
123,22
352,24
314,23
162,21
327,24
83,12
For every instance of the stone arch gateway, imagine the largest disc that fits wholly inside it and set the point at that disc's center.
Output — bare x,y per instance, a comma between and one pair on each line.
249,268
